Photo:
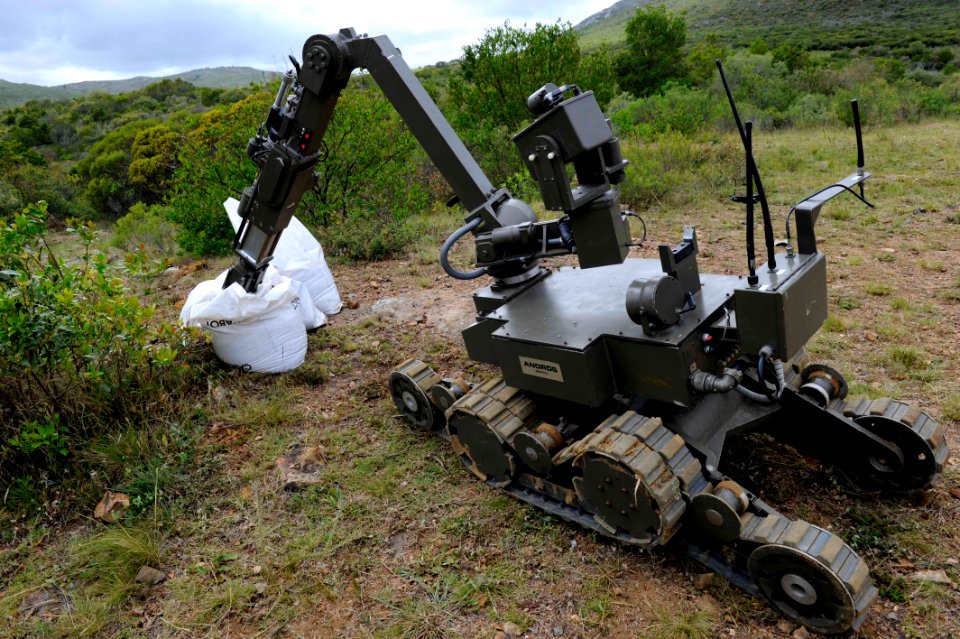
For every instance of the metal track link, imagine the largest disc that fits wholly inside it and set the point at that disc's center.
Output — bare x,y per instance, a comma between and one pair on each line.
822,546
673,451
410,385
662,464
421,374
910,415
504,409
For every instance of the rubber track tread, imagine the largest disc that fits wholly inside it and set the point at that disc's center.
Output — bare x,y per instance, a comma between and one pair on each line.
823,546
421,374
624,439
907,414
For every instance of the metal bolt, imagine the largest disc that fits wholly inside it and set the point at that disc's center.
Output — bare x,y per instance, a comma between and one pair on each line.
531,157
551,155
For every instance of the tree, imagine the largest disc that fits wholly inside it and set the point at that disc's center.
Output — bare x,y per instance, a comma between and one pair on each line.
507,65
105,171
653,56
499,73
793,55
154,158
702,61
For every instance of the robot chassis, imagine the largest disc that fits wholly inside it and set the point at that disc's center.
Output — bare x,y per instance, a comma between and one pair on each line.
621,378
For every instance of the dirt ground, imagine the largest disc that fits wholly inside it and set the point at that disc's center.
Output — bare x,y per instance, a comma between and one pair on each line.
397,539
652,594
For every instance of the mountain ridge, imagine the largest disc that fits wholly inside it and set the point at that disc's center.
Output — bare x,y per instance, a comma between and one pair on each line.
16,93
817,24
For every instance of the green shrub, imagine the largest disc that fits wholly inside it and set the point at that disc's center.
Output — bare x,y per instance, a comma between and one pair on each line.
147,228
365,238
79,354
705,169
951,407
10,202
679,109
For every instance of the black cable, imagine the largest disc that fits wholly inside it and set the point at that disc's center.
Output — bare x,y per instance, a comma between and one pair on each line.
826,188
642,223
448,244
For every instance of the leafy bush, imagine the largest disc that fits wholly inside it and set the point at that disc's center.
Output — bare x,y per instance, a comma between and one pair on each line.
372,168
678,108
372,164
79,354
29,183
148,228
365,238
10,202
658,169
105,171
213,165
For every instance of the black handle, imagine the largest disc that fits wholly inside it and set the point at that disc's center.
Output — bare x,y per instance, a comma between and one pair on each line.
856,125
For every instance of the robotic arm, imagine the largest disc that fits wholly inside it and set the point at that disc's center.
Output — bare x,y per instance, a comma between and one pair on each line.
509,239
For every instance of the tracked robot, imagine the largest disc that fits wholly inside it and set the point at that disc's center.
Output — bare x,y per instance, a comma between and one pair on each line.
621,379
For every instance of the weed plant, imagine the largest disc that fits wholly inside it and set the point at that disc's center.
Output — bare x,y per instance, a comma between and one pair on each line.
80,355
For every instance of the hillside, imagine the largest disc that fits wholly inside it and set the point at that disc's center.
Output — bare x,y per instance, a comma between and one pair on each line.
14,94
818,24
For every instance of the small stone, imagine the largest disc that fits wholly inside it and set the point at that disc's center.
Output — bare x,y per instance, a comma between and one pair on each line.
800,633
150,576
703,581
893,616
558,631
785,626
45,603
112,507
292,478
512,630
246,493
926,498
952,562
311,455
931,576
352,304
260,587
955,493
257,570
870,336
218,394
728,619
500,635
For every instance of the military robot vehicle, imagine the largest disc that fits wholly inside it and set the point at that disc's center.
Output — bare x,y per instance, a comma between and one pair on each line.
621,379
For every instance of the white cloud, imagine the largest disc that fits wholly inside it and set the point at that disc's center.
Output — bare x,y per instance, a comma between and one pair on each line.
59,41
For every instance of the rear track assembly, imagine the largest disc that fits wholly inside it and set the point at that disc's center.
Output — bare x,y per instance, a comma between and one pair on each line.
634,480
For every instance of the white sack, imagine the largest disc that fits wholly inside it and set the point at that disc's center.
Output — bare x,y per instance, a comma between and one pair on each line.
264,332
299,256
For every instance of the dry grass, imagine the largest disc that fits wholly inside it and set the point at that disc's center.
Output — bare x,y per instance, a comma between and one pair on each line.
401,541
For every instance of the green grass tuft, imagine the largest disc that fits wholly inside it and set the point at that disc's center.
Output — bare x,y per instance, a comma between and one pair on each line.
683,623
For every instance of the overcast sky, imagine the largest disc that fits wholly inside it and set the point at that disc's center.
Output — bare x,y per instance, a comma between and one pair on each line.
51,42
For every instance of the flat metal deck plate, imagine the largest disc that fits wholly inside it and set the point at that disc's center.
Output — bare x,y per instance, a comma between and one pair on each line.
574,306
